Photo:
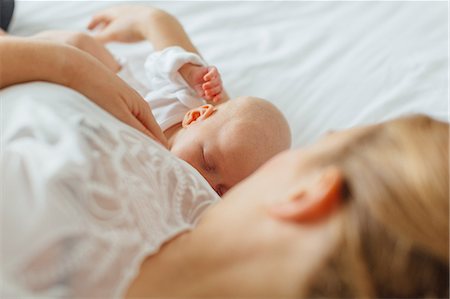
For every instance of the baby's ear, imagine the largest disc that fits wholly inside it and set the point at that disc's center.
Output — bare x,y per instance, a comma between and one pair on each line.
197,114
313,199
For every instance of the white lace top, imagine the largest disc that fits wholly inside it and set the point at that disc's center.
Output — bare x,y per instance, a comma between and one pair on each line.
84,197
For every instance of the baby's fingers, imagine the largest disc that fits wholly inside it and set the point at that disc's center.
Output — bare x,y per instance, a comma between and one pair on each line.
215,81
211,84
217,98
199,90
212,73
98,20
210,93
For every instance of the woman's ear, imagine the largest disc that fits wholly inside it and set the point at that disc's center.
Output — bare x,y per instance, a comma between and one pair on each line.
312,199
197,114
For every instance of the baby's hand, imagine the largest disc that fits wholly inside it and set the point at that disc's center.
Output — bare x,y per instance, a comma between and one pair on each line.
206,81
212,88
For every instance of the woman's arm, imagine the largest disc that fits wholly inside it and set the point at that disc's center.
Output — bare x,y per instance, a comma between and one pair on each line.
84,42
25,60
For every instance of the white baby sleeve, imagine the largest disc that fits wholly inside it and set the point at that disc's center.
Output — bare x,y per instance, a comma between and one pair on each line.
130,75
170,96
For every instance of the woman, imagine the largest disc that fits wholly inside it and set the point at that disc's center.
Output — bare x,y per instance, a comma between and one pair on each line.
359,214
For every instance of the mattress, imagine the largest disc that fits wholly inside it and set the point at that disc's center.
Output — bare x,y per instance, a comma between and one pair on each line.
326,65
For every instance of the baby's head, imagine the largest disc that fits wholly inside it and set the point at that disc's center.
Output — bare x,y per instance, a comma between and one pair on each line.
228,142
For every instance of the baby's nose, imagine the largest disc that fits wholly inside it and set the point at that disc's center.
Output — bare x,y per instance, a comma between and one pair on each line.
221,189
218,187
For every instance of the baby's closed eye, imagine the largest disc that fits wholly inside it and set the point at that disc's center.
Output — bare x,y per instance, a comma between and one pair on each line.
207,163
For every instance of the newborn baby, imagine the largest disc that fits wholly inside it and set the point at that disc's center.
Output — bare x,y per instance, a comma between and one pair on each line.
226,141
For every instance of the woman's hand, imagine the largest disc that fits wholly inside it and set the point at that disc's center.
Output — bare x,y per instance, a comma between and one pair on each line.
122,23
26,60
91,78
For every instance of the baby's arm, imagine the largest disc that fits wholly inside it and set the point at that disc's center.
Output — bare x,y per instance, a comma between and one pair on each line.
84,42
135,23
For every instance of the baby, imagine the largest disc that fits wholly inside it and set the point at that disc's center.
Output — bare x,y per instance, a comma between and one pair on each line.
228,142
225,140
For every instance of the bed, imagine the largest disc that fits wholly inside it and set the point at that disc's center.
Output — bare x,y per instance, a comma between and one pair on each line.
326,65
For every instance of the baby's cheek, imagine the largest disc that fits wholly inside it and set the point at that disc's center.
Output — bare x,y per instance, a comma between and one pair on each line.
180,154
184,153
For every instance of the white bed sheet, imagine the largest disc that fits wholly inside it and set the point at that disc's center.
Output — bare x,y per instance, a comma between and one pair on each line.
326,65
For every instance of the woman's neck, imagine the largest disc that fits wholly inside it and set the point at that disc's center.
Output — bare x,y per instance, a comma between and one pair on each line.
175,271
190,267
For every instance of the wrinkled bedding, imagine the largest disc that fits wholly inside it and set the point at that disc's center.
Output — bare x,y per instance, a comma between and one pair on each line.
326,65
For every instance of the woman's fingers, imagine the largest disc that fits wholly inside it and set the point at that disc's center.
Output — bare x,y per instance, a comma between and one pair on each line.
133,122
148,120
143,114
136,121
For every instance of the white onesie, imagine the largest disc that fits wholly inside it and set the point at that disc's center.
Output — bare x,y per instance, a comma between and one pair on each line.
167,93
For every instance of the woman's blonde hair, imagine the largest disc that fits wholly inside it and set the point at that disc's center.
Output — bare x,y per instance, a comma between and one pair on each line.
395,237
